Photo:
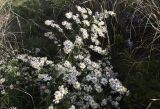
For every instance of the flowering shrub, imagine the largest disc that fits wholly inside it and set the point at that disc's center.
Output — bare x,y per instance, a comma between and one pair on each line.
86,76
81,76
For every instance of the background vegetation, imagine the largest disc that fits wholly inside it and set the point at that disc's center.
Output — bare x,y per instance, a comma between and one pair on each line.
134,36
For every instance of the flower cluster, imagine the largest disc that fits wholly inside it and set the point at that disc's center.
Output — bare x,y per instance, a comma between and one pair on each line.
85,76
68,46
35,62
60,94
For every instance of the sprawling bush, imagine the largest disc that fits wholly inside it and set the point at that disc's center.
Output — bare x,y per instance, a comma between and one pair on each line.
81,75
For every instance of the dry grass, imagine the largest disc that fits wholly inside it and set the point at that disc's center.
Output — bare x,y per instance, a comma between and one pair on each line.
8,40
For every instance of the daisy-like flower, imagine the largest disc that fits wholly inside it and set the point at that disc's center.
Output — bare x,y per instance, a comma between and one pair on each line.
104,81
44,77
49,22
89,11
101,23
104,102
57,27
82,65
94,105
81,9
51,107
78,40
78,8
86,22
77,85
76,18
84,16
13,107
84,33
88,77
2,80
67,64
67,25
3,92
69,15
111,13
116,85
60,94
72,107
98,88
68,46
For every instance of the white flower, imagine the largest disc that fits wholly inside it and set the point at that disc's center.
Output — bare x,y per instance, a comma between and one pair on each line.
63,90
115,103
60,94
88,77
47,91
98,88
94,105
89,11
87,61
81,9
67,25
101,23
2,80
97,73
95,40
111,13
78,40
88,98
13,107
95,65
11,86
104,102
57,27
48,62
67,64
77,85
44,77
94,80
49,22
84,33
72,107
3,92
78,8
84,16
87,88
76,18
80,57
86,22
104,81
82,65
35,62
51,107
118,98
49,35
69,15
94,28
68,46
116,85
